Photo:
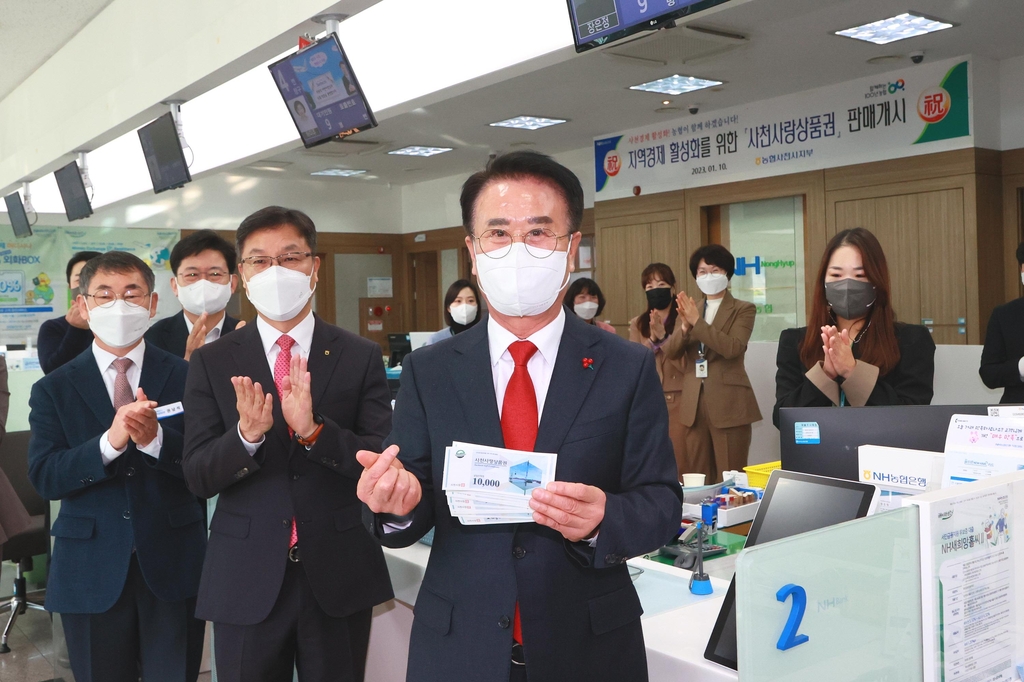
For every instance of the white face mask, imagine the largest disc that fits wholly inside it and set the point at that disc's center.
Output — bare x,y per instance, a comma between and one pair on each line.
1022,278
119,325
520,284
585,310
279,293
204,296
712,284
463,313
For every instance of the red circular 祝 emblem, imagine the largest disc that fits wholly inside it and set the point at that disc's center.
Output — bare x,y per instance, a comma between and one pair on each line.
612,163
933,104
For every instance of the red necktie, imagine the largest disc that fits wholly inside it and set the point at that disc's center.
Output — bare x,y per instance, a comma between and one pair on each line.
519,421
282,368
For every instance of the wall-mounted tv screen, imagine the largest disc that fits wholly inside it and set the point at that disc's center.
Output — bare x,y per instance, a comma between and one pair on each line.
72,192
16,212
164,156
322,93
599,22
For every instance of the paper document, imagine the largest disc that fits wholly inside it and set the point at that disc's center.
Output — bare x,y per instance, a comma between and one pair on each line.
486,485
980,447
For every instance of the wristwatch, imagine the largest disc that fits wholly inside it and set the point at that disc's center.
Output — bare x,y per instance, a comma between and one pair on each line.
311,438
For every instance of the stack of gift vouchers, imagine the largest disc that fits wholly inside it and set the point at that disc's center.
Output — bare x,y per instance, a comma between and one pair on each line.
487,485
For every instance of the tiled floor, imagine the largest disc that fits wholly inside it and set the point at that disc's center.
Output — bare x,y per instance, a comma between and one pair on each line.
32,658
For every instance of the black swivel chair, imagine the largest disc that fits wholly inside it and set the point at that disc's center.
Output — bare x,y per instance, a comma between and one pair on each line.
29,543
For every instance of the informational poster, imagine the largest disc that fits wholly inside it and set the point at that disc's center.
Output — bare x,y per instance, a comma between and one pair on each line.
33,284
920,109
379,287
981,447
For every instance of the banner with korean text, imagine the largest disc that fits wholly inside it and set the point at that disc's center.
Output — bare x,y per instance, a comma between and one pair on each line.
920,109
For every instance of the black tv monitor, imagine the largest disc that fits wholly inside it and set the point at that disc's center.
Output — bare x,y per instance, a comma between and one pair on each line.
72,192
599,22
793,503
399,345
322,92
824,440
16,212
164,156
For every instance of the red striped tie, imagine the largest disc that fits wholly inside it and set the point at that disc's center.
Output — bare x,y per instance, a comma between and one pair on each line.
519,421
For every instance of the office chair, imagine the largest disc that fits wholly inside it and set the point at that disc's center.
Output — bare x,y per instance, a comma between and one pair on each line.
29,543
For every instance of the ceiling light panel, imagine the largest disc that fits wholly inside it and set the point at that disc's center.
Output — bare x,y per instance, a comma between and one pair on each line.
890,30
339,172
528,122
420,151
676,85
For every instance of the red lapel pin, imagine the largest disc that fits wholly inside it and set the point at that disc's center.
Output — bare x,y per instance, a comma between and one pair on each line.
588,363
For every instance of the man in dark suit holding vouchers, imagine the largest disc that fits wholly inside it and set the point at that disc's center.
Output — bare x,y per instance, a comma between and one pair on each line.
129,538
550,599
274,415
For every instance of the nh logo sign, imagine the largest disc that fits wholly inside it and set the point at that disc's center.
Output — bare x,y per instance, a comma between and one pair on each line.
742,265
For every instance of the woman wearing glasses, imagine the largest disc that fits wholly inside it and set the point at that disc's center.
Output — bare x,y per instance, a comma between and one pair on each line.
204,280
461,310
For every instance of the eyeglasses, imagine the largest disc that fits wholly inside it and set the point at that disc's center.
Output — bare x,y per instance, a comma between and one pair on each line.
294,260
540,242
215,276
104,298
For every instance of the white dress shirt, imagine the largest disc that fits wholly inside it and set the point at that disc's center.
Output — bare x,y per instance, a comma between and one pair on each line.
105,362
211,335
541,364
302,334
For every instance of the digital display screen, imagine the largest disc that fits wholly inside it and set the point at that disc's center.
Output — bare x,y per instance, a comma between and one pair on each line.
164,156
321,92
599,22
72,192
16,212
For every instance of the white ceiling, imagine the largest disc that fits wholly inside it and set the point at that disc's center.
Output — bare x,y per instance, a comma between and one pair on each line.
31,31
789,48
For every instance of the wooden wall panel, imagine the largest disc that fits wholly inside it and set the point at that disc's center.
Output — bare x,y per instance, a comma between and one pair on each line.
897,228
941,247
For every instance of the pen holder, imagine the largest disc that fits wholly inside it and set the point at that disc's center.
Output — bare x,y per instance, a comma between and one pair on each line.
700,582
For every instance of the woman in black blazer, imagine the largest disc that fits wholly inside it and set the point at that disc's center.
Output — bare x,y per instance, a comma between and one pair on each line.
855,353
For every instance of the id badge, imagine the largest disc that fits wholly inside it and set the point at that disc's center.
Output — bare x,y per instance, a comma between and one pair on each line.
702,368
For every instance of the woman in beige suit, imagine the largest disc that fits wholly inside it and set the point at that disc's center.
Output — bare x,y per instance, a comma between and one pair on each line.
654,329
717,404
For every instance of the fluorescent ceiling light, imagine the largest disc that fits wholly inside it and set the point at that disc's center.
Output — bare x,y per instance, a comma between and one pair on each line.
339,172
676,85
528,122
420,151
890,30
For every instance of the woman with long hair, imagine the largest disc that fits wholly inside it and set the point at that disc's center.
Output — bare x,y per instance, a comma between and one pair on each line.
654,329
853,351
461,310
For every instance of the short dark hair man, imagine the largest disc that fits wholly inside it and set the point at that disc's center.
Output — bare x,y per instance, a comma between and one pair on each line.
1002,358
64,338
274,416
204,279
550,599
129,539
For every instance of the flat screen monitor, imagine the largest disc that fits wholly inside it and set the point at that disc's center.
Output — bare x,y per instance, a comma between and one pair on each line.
72,192
824,440
599,22
793,503
164,156
322,93
399,345
16,212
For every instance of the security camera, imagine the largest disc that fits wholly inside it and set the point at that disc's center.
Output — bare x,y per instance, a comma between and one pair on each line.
693,109
917,57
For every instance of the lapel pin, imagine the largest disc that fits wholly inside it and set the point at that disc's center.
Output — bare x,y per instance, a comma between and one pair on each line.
327,352
588,363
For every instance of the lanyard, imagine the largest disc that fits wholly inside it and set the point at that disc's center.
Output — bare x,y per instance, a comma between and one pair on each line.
842,398
700,350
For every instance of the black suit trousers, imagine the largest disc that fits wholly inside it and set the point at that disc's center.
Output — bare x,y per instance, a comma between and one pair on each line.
296,633
139,635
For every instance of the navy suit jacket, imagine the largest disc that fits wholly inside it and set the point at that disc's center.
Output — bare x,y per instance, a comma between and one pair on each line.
171,333
580,613
1004,347
136,502
260,494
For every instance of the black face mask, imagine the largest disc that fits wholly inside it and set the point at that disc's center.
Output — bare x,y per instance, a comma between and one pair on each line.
850,299
659,298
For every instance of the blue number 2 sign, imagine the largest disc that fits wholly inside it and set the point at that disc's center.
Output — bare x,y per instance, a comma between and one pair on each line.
789,638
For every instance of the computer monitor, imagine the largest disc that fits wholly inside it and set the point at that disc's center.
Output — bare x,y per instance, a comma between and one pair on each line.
72,192
599,22
399,346
793,503
164,156
824,440
19,219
